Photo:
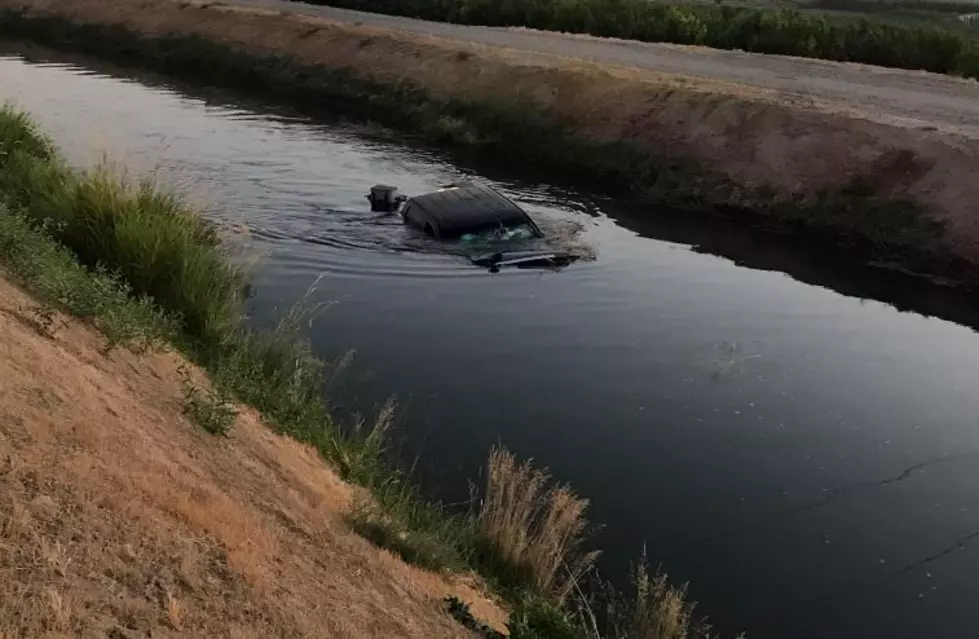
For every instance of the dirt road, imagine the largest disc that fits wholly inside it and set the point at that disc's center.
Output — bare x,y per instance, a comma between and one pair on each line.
909,98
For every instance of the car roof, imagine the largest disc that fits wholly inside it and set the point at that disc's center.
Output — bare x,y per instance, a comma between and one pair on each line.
469,207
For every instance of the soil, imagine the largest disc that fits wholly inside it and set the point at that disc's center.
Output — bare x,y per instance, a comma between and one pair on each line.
120,518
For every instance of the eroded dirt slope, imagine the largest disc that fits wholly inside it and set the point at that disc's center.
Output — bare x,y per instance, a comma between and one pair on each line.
120,518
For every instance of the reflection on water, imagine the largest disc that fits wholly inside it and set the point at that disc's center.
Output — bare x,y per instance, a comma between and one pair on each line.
805,457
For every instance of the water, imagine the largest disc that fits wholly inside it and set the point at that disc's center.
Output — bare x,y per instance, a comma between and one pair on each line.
806,457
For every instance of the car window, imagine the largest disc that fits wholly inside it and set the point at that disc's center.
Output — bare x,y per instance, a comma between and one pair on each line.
522,231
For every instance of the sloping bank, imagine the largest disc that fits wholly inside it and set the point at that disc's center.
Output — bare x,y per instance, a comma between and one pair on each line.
895,194
154,278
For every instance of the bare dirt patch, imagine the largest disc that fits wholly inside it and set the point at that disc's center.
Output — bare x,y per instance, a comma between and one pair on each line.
120,518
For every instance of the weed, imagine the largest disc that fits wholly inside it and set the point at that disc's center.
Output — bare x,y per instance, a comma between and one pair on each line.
210,408
658,609
357,455
53,276
542,619
535,529
419,547
531,619
18,133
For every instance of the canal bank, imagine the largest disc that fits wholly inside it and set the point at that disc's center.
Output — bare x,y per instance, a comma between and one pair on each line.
897,195
136,302
800,453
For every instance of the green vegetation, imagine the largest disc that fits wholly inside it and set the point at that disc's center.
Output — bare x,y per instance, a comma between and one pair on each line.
149,239
953,7
59,282
947,15
211,408
785,32
118,253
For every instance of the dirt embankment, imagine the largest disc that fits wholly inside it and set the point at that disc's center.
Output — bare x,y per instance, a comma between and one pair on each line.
892,96
757,140
119,518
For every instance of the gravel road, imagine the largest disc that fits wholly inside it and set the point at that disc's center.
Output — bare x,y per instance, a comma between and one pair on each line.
909,98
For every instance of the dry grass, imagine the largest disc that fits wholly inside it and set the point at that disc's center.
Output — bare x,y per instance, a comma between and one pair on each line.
533,525
174,609
658,610
119,517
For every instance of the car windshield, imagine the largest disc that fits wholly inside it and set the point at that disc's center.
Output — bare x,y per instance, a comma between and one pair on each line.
522,231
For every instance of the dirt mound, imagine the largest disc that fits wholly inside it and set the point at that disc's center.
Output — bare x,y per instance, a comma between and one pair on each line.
120,518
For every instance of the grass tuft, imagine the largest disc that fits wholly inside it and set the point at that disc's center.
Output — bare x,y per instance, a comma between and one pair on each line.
357,454
415,545
19,134
658,610
537,530
276,372
210,408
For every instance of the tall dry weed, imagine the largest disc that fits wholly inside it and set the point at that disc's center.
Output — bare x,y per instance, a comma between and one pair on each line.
533,525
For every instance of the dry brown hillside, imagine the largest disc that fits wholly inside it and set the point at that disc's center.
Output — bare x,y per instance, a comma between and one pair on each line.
120,518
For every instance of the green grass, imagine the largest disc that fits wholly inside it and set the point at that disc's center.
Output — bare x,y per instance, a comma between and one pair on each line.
152,241
213,409
56,280
434,545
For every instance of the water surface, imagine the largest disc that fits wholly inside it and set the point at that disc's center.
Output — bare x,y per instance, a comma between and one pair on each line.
806,457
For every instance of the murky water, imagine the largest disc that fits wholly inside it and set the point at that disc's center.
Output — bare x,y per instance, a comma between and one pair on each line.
808,459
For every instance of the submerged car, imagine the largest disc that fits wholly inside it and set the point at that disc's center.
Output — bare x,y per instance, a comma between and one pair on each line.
470,212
